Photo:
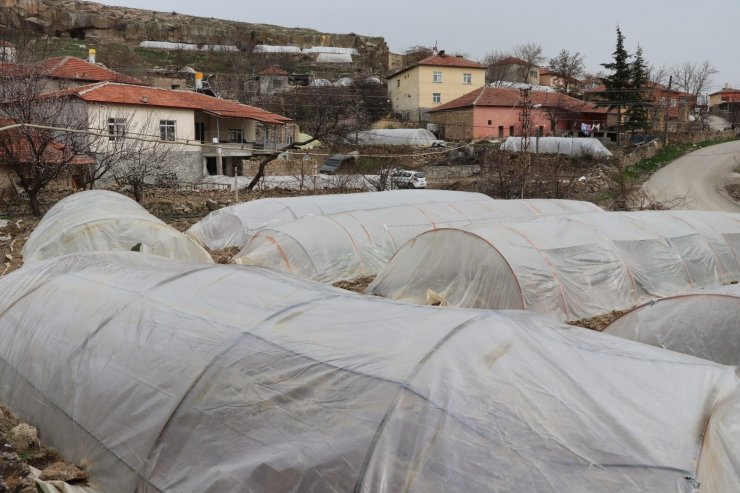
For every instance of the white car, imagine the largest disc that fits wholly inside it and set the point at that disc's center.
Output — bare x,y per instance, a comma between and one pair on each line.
408,179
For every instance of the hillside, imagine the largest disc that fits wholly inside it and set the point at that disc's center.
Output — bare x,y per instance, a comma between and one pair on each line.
72,23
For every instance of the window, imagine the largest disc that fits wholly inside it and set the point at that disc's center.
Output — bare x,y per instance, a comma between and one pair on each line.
116,128
501,131
398,83
235,135
662,100
467,78
437,97
290,140
490,122
167,129
437,77
673,103
511,131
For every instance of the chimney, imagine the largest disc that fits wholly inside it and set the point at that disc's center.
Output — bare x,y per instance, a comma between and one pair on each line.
91,55
198,80
441,52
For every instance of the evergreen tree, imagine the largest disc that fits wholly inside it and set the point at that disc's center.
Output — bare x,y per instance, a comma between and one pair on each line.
637,111
617,94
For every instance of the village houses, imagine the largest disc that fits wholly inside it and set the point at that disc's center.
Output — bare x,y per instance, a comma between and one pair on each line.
431,82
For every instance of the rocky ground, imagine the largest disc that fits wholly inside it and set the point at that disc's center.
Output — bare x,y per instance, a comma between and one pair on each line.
21,449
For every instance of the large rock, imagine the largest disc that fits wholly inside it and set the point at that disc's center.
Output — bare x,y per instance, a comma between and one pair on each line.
63,471
23,437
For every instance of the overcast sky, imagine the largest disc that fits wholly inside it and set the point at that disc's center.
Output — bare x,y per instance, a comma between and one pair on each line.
669,32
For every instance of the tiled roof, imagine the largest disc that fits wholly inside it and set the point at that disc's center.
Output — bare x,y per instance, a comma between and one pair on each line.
273,71
726,90
494,96
73,68
113,93
442,60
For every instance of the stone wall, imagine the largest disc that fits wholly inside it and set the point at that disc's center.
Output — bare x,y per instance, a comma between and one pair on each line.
434,172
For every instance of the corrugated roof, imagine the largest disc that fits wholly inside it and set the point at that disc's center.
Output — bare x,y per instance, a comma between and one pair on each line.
114,93
494,96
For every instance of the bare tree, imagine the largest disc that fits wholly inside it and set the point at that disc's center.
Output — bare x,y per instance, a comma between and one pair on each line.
569,67
144,162
133,155
417,53
658,74
328,114
532,56
693,78
495,70
37,156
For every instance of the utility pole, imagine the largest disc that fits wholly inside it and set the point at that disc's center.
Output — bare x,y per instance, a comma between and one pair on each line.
526,118
665,115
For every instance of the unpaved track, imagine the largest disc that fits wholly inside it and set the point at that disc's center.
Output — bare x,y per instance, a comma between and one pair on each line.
700,177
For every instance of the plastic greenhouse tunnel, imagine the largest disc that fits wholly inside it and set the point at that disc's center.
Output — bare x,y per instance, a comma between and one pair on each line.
703,323
569,267
99,220
164,376
351,245
233,226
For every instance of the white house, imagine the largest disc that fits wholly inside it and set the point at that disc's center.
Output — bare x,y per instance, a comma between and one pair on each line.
224,132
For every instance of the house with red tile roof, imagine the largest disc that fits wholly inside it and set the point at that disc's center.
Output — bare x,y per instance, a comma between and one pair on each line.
677,104
16,147
513,69
64,72
223,132
725,97
492,112
431,82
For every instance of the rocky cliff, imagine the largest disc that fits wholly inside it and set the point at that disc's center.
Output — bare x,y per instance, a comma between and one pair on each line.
107,24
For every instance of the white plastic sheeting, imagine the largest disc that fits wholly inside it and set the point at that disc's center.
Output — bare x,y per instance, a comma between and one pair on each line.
349,245
163,376
99,220
234,225
703,323
167,45
419,137
276,49
331,50
569,267
581,146
334,58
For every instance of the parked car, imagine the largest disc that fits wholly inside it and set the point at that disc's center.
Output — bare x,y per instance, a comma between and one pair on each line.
408,179
335,163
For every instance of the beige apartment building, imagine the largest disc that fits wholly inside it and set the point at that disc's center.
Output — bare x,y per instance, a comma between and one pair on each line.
438,79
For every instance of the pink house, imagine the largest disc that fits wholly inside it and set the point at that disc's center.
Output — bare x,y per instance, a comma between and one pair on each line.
491,112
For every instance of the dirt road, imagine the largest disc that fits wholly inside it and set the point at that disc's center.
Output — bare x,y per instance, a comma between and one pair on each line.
700,177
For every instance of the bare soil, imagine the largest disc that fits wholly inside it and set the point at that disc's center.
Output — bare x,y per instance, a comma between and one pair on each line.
357,285
599,322
12,238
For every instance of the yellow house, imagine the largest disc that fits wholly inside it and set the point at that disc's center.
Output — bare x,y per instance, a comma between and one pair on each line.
438,79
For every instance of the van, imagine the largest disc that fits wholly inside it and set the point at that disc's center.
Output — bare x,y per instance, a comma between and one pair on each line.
333,164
